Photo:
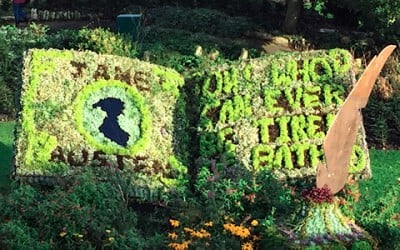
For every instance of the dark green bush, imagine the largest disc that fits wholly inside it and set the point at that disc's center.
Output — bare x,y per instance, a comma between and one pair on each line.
232,190
103,41
15,234
228,195
361,245
382,122
85,214
201,20
176,48
13,43
99,40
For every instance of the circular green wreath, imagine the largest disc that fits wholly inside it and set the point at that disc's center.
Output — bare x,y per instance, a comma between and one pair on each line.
135,119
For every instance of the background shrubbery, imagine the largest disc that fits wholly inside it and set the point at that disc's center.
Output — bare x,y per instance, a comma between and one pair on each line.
14,41
85,214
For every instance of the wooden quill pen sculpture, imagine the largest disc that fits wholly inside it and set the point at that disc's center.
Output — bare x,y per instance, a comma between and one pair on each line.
342,134
324,223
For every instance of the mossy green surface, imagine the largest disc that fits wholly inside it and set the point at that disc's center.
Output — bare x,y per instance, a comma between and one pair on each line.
58,130
273,112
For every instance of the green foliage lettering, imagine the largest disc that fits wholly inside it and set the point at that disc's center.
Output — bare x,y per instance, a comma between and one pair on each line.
230,81
263,125
283,157
300,151
233,110
341,61
284,77
333,94
213,85
311,97
46,143
297,93
313,128
262,156
320,70
283,118
227,113
315,153
304,69
329,118
270,100
298,128
225,141
247,73
283,123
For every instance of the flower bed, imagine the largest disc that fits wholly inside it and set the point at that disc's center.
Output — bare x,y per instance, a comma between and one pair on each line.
83,109
273,112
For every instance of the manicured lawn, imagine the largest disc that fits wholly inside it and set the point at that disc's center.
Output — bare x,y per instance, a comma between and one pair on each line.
383,189
385,174
378,210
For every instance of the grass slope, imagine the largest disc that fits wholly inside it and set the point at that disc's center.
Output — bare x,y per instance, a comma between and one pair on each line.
383,189
385,174
378,210
6,141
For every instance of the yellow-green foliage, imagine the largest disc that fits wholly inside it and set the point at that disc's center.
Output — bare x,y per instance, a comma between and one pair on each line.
273,112
58,128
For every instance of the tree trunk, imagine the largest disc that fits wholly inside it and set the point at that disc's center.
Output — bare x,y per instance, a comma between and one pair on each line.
292,15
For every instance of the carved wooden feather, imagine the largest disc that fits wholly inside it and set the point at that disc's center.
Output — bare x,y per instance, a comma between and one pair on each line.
341,136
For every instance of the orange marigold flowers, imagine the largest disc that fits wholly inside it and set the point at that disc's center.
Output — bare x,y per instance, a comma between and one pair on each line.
240,231
197,234
254,223
180,246
174,223
173,236
256,238
208,224
247,246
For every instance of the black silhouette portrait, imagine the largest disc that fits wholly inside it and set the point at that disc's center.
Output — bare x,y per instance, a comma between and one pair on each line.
110,127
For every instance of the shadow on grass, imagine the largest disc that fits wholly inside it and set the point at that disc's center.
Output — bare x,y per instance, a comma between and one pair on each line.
5,167
388,237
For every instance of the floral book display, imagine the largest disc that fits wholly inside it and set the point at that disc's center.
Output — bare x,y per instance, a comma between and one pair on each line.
81,109
272,113
298,116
